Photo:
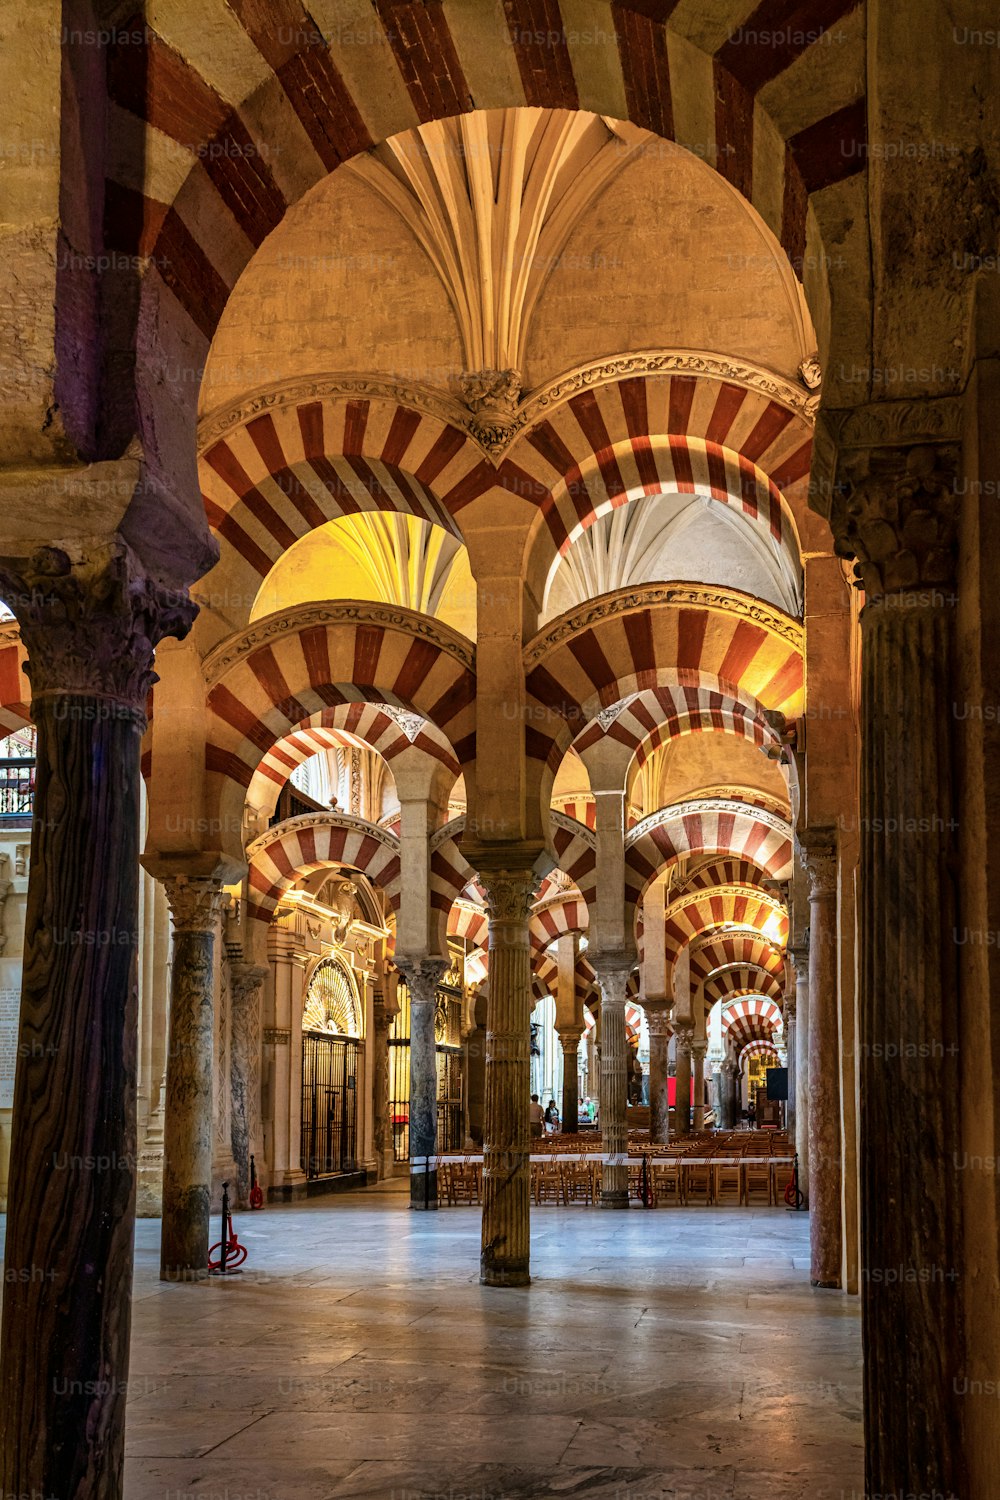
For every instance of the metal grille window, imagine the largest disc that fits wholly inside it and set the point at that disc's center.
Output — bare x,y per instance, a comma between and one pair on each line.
332,1000
329,1104
17,776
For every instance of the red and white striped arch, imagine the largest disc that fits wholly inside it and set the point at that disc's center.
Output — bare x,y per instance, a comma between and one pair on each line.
647,434
298,846
751,1019
345,724
575,847
649,636
660,714
451,873
278,673
558,917
267,481
738,980
701,911
756,1049
725,949
690,829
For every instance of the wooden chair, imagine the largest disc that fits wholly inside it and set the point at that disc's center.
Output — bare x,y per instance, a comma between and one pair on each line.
757,1182
728,1185
548,1182
697,1183
578,1182
666,1178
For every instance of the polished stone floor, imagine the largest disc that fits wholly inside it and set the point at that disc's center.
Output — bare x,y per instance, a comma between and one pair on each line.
679,1352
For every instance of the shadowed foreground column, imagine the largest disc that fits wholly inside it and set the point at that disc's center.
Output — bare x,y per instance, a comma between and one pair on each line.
195,908
658,1022
89,623
506,1166
614,1084
423,976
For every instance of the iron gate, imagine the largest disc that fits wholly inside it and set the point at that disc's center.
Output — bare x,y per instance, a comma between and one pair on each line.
329,1103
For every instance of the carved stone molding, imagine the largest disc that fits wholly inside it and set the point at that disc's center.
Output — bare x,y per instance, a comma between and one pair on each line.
708,804
90,618
658,1021
574,826
277,1036
817,851
684,1032
195,904
649,595
410,723
533,408
753,892
344,612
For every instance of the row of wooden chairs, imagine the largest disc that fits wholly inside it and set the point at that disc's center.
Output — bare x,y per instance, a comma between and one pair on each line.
748,1183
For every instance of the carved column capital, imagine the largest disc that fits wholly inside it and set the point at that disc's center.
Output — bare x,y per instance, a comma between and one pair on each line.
90,619
817,851
245,980
612,975
699,1049
422,975
658,1021
887,478
195,904
509,894
684,1032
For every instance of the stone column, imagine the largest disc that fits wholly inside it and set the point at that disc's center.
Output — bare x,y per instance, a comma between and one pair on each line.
698,1050
475,1068
89,620
800,956
246,982
613,980
423,975
897,514
195,909
381,1106
684,1035
818,852
658,1022
506,1145
570,1116
790,1030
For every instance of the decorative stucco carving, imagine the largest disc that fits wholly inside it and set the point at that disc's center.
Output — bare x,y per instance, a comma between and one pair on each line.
321,820
708,804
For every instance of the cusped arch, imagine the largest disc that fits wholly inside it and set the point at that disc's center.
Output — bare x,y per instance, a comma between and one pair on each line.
701,911
285,853
273,676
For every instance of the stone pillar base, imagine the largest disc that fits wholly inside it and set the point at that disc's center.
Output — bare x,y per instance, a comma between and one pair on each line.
614,1198
289,1187
149,1186
504,1276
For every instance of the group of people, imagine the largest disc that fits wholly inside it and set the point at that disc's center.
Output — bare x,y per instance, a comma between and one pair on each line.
545,1121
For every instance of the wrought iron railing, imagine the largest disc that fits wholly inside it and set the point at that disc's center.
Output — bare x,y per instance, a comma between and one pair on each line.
17,787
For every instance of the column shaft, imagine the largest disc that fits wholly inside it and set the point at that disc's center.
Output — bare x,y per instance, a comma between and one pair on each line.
506,1166
614,1087
89,623
246,985
820,859
571,1085
698,1053
422,978
659,1058
682,1082
195,906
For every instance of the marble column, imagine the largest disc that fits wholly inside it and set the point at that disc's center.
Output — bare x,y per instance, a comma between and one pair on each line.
246,981
570,1116
790,1030
658,1022
89,621
506,1235
381,1082
684,1035
800,956
818,852
613,979
698,1050
423,975
195,908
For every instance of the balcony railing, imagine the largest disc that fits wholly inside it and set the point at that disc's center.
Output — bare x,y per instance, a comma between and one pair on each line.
17,789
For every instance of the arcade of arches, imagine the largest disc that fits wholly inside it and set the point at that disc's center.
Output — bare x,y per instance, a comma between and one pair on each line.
547,449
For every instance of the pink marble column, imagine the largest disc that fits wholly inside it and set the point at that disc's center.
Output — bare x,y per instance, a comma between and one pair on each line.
658,1023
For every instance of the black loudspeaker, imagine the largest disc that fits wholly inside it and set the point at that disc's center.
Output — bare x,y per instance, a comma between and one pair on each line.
777,1083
